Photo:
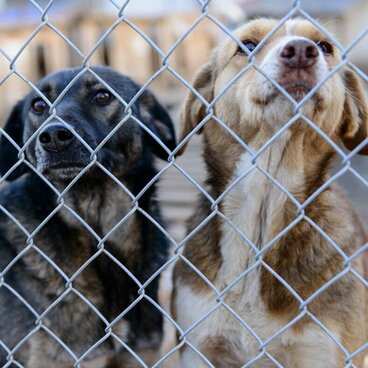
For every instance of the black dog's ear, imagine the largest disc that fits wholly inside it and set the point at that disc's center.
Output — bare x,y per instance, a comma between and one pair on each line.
159,122
8,153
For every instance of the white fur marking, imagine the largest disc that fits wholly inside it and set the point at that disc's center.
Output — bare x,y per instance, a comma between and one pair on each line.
243,206
289,28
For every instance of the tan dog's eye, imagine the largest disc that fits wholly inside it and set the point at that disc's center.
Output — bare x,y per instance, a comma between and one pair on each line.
325,47
102,97
250,45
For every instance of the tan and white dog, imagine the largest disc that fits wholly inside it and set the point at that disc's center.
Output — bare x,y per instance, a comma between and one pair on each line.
297,57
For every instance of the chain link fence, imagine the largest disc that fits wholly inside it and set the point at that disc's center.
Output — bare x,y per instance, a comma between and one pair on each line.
168,356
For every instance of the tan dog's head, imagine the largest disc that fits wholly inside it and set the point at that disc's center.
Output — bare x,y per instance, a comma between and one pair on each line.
298,57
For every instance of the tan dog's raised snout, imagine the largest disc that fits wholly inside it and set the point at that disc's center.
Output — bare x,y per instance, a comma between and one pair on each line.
299,54
298,64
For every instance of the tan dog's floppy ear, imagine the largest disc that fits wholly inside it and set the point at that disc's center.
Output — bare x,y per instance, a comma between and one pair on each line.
354,128
194,110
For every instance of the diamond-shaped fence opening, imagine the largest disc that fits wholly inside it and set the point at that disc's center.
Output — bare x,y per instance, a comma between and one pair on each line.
233,247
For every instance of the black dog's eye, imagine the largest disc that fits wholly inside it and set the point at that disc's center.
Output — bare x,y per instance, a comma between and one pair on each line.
102,97
250,45
38,105
325,47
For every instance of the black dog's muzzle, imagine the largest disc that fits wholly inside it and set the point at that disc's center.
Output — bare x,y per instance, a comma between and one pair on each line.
60,155
55,138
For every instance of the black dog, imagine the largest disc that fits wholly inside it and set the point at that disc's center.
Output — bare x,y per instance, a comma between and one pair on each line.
62,283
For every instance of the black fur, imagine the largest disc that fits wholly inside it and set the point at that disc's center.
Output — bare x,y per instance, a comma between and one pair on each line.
63,238
8,151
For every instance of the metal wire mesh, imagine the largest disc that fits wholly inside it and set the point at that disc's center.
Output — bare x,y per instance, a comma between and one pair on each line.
296,10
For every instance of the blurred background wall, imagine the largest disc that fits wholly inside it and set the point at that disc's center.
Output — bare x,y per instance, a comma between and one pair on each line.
164,21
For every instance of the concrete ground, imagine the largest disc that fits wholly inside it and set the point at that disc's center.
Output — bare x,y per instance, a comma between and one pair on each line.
357,189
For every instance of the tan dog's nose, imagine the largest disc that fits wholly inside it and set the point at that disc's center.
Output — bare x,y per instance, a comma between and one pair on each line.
299,54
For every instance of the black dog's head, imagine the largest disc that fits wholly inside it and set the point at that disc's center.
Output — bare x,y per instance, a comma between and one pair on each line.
61,146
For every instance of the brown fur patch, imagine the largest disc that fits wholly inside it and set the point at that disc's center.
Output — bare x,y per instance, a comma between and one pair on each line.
221,353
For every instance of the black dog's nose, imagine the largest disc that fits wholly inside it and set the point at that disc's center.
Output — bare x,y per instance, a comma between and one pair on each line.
55,137
299,54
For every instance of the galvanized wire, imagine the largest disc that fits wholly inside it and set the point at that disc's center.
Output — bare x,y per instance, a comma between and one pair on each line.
219,301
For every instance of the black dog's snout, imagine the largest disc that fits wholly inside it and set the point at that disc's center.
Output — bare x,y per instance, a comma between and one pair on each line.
56,137
299,54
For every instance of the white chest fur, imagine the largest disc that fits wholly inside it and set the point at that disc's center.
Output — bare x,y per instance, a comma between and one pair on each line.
251,206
